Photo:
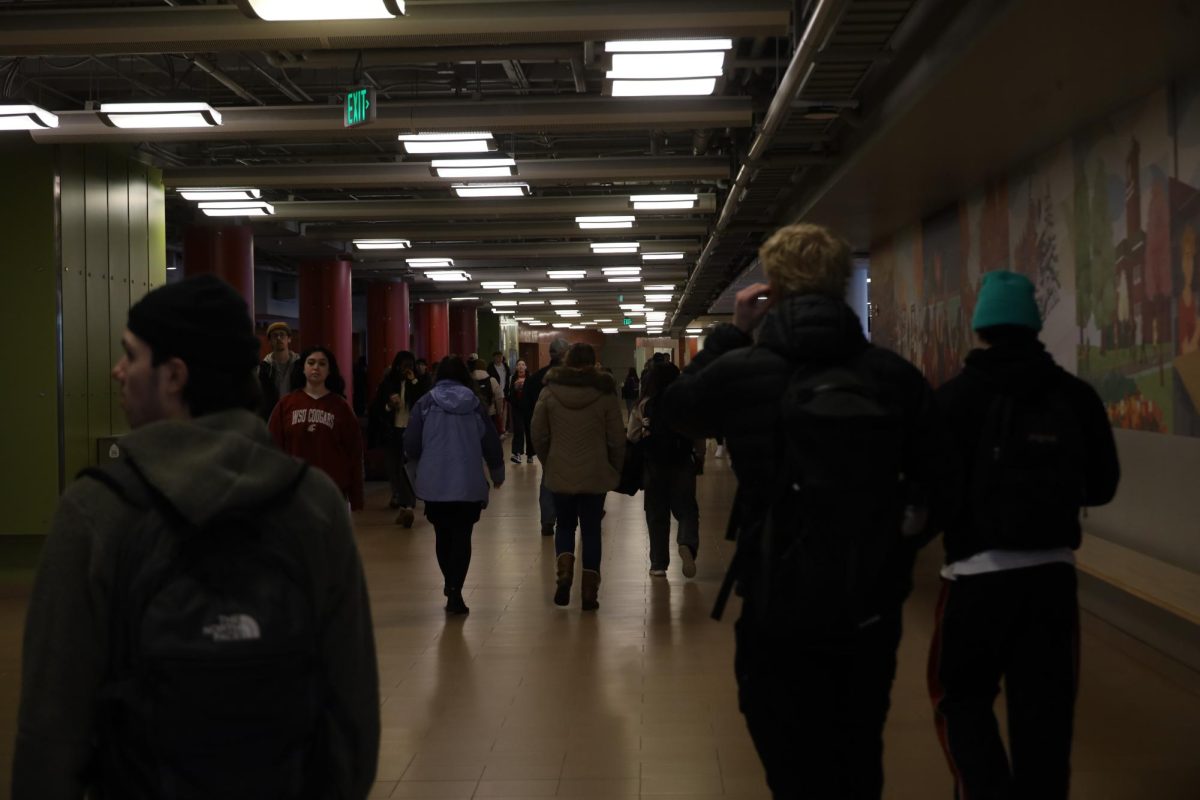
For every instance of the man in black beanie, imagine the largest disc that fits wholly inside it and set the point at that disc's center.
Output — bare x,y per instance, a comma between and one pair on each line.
199,625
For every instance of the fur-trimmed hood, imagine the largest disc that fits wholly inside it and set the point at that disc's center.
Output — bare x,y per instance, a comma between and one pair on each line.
579,388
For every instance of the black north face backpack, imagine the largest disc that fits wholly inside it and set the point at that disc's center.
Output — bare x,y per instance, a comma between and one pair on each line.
816,565
1027,482
213,687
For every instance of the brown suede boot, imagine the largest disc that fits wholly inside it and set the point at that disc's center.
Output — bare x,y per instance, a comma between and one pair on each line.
566,574
591,588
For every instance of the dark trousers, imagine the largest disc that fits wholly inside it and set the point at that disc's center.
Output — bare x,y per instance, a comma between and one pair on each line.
1021,625
518,434
816,711
670,490
452,525
397,475
584,510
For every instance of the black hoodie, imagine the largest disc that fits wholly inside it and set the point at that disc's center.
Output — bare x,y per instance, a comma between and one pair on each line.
733,386
1021,370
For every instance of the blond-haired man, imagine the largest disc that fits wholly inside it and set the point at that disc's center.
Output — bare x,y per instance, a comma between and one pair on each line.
814,679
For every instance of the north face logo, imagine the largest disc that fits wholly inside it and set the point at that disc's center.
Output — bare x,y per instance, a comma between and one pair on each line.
233,628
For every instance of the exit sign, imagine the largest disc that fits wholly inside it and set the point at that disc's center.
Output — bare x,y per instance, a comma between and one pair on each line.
360,107
627,321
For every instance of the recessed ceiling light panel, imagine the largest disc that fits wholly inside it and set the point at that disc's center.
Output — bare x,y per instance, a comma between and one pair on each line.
456,276
159,115
238,208
474,190
311,10
382,244
26,118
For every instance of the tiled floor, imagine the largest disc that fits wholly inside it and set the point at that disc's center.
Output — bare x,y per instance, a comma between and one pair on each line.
523,699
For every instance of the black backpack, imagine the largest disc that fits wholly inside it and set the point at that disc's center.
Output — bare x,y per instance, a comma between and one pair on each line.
485,391
213,687
661,444
1027,483
819,561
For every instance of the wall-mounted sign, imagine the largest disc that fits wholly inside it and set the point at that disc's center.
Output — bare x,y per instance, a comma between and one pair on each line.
360,107
627,321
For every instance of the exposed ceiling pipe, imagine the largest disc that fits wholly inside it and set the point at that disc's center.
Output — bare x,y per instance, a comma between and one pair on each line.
269,78
370,59
223,79
821,25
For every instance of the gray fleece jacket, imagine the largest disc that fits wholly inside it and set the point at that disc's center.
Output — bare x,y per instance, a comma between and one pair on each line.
202,467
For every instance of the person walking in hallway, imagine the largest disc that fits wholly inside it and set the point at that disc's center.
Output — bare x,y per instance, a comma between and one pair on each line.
533,390
314,422
578,432
672,462
1036,446
200,617
499,370
448,434
275,371
398,393
516,396
821,427
631,389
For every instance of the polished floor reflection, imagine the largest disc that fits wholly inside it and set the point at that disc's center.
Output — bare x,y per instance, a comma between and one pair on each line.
523,699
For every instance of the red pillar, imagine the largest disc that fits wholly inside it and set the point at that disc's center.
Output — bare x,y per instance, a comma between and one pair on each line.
387,326
464,329
226,251
327,314
436,331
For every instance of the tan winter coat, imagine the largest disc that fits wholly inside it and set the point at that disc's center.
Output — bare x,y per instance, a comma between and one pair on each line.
578,433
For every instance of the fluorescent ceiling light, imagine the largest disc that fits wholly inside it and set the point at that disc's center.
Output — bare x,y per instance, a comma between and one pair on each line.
659,318
524,319
240,208
624,280
662,256
220,194
666,45
504,302
634,313
515,291
564,302
159,115
568,312
660,287
663,205
498,284
622,218
464,298
658,298
642,66
26,118
474,167
608,330
382,244
560,325
661,198
695,330
689,87
592,226
578,327
456,275
566,274
532,303
637,327
552,288
284,10
539,324
598,321
614,245
491,189
425,143
615,251
621,270
430,262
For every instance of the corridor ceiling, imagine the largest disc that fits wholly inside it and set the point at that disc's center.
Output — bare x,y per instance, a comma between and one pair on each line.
530,72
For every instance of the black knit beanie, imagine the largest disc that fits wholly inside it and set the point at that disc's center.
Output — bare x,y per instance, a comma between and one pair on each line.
200,320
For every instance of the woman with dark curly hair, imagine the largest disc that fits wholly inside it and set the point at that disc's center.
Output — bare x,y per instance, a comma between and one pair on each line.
314,422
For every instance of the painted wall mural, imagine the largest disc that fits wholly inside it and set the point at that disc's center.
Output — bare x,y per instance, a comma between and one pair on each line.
1106,226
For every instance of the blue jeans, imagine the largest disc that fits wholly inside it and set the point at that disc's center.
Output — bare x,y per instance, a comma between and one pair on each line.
546,504
585,509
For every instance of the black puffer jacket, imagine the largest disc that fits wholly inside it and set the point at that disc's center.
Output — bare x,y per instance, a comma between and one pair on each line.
733,388
965,402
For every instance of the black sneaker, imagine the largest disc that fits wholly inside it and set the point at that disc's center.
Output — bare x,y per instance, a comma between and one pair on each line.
516,459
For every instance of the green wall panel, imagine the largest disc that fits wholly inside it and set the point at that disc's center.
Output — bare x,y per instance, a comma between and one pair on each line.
29,314
99,328
77,453
118,274
157,221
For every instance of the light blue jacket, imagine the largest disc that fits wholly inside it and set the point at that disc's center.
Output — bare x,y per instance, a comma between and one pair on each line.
448,433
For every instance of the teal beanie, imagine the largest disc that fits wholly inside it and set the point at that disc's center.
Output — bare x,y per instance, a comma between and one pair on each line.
1006,298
